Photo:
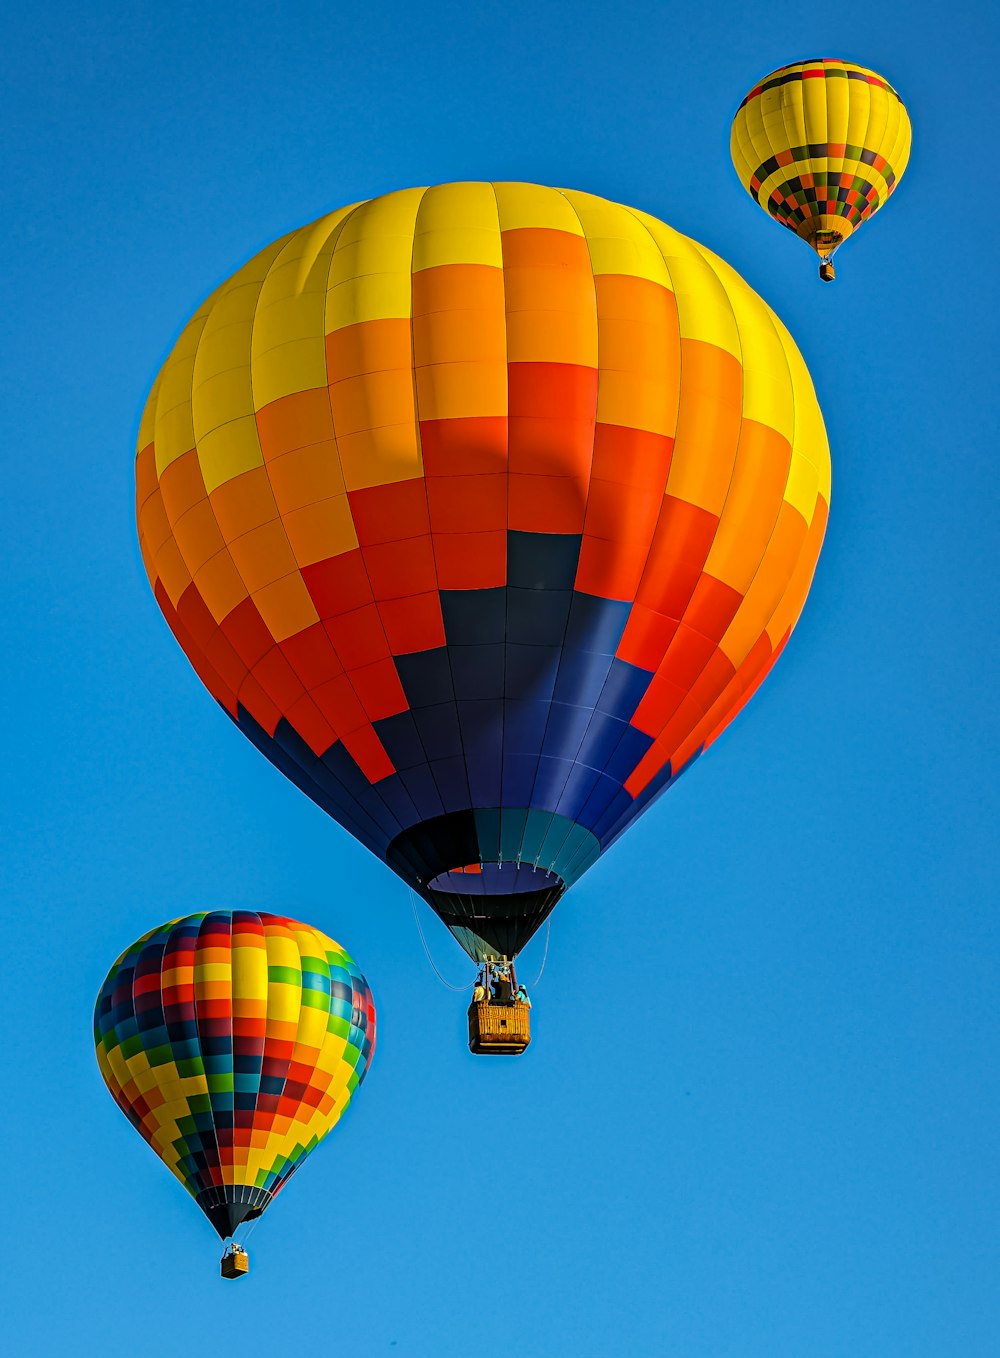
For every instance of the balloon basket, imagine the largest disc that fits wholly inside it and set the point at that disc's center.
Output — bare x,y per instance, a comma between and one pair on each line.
235,1264
499,1029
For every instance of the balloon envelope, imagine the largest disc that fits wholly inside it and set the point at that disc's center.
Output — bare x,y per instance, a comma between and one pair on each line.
821,145
233,1041
482,509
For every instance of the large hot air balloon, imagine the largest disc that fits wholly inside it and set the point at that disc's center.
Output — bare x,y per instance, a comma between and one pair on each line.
233,1041
482,509
821,145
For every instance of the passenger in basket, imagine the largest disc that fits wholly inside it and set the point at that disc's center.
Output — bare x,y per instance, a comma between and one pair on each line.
522,996
479,993
502,990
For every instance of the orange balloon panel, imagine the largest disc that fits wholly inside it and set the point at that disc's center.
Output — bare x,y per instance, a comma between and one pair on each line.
482,509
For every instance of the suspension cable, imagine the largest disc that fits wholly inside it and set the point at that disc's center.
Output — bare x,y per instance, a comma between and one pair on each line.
545,954
249,1231
427,952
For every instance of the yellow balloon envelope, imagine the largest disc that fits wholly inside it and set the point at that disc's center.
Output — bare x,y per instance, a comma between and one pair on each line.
821,145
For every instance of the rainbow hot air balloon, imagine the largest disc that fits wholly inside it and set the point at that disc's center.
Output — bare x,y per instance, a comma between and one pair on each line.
482,509
233,1041
821,145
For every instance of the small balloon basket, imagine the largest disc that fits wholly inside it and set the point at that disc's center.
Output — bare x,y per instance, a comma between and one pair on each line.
499,1029
235,1263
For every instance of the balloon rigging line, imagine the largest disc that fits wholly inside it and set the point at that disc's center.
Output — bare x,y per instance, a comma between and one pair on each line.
545,954
427,951
250,1231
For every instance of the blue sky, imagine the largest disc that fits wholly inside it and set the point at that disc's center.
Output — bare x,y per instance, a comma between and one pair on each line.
760,1117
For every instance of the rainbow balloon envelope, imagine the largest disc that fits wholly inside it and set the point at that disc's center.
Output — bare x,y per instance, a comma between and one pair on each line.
233,1041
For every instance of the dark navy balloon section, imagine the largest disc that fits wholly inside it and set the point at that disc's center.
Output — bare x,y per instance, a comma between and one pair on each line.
512,758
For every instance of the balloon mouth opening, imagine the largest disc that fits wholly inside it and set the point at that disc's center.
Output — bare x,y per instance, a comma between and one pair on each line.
825,234
477,871
825,242
229,1206
494,879
493,909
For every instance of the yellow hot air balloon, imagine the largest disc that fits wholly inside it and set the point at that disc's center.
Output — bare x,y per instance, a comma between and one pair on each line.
821,145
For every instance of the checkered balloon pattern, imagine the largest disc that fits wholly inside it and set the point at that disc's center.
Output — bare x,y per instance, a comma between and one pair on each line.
481,510
821,145
233,1041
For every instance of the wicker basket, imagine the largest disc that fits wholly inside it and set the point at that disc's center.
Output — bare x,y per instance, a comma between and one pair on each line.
499,1029
235,1264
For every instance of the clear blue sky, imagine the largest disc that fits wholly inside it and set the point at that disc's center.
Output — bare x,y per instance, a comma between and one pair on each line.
760,1119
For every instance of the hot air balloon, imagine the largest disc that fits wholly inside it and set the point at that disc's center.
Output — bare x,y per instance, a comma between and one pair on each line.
482,509
821,145
233,1041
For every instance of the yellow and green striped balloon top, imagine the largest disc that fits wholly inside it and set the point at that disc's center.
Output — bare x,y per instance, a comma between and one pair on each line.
821,145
